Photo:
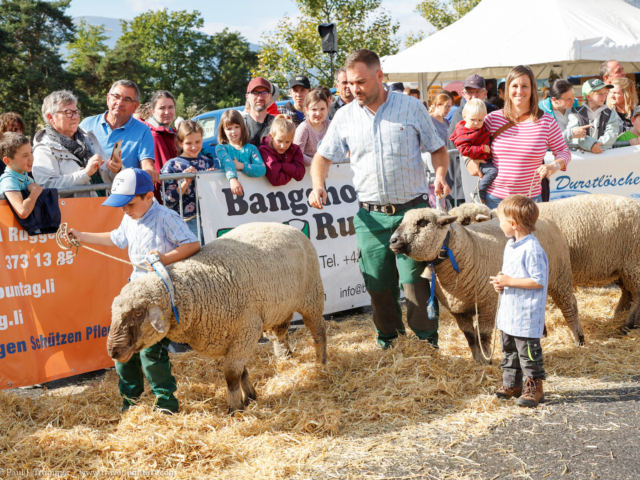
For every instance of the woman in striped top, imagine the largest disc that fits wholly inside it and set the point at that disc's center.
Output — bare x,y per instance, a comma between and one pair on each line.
518,152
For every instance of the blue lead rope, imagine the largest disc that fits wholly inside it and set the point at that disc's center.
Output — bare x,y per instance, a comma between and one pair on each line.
431,311
162,272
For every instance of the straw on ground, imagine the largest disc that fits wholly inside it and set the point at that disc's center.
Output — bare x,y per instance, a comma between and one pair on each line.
337,420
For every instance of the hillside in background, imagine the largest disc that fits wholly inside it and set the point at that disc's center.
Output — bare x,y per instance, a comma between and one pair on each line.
114,30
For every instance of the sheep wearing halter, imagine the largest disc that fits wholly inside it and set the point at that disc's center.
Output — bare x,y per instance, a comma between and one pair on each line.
603,234
245,283
479,250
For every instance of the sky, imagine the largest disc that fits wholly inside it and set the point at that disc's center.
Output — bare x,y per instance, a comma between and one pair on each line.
250,17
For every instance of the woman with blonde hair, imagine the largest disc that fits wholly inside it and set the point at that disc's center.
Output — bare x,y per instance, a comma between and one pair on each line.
521,135
439,110
624,100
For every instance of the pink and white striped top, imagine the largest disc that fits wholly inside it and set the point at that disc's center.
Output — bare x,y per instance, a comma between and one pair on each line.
518,152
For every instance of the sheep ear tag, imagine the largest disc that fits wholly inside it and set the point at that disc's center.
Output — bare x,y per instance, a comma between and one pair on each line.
162,272
156,319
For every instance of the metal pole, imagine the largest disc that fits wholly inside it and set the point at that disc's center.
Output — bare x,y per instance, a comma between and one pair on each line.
455,183
195,181
180,199
332,72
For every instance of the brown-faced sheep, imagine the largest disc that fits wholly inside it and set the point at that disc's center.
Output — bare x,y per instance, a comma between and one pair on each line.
603,234
247,282
479,250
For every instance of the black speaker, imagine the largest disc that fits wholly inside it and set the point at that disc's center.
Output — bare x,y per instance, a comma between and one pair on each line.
329,37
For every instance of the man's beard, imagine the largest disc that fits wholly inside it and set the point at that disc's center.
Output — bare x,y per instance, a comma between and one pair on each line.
369,98
259,108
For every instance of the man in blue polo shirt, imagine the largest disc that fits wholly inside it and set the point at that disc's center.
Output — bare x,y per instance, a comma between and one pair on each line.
118,124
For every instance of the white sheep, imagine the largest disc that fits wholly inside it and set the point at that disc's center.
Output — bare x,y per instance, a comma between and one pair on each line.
247,282
469,213
478,250
603,234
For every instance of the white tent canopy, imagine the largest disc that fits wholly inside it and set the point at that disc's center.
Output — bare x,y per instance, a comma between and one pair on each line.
571,37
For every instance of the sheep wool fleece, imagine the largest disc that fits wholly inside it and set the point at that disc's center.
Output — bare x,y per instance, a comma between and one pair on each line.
382,269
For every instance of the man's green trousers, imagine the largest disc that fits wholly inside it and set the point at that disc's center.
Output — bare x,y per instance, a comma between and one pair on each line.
384,272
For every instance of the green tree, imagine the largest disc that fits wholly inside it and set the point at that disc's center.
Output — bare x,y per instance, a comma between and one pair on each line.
414,37
35,31
228,61
210,70
442,13
295,48
95,67
170,47
88,42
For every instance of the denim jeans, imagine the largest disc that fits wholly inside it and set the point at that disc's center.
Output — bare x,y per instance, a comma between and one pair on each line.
493,202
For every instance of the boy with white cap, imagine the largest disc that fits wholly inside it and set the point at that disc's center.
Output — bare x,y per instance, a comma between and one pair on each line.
147,227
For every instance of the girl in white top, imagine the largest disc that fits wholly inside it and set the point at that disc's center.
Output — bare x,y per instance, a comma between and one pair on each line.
310,132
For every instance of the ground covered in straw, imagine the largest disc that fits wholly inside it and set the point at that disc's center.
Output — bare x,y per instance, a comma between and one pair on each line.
365,414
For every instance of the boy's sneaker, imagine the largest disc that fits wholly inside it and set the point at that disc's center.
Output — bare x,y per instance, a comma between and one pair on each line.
532,393
508,392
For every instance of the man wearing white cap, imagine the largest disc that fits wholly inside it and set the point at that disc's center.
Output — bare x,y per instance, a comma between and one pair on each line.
147,227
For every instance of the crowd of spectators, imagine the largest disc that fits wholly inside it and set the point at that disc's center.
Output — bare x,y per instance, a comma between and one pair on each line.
71,151
386,132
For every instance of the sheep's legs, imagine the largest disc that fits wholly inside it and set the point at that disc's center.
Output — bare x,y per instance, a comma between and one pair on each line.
633,320
235,372
318,329
630,297
247,388
234,391
279,335
625,299
238,383
566,301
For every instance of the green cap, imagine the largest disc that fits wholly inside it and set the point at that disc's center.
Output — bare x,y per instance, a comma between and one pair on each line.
593,85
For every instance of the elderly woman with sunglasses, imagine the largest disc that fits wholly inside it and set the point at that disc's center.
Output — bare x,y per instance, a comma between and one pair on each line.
65,155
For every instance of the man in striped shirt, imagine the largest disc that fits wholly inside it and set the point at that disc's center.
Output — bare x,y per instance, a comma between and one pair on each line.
384,135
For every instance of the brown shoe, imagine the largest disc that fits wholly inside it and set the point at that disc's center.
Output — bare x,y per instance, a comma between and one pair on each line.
508,392
532,393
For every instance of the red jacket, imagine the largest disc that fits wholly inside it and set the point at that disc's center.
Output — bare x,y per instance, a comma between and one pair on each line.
164,140
164,146
281,168
470,143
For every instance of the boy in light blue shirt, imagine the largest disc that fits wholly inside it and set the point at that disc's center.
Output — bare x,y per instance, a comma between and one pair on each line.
522,285
147,227
17,155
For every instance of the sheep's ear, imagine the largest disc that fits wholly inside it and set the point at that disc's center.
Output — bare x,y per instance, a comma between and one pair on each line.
442,221
423,222
157,319
482,218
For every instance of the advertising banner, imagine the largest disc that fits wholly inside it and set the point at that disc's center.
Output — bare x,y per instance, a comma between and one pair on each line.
55,318
615,172
331,229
